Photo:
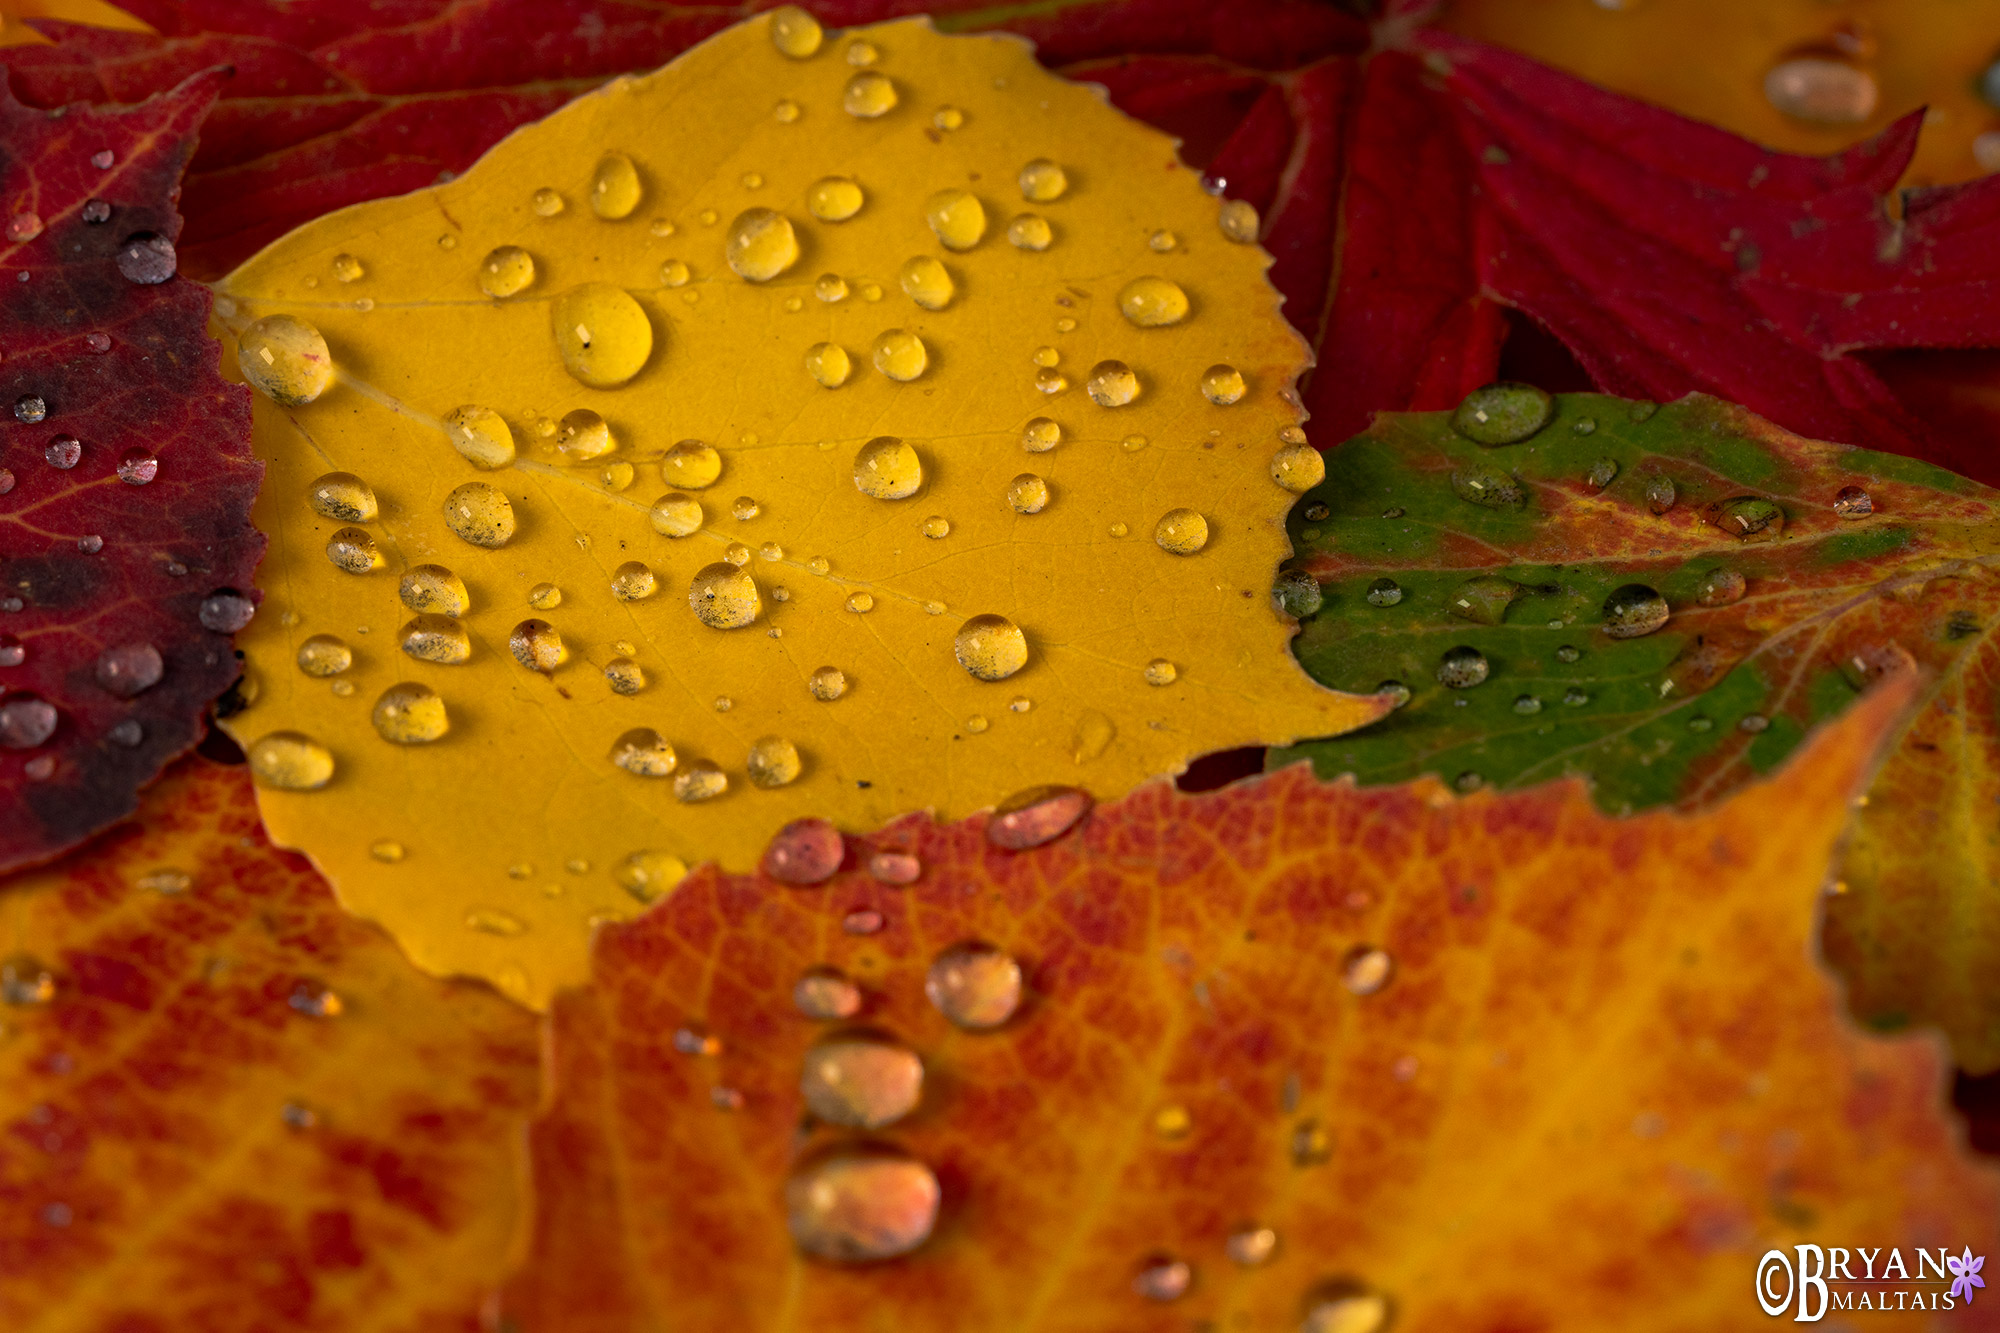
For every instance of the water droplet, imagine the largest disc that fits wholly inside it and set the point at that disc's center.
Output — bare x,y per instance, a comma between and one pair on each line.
674,273
724,597
977,724
127,733
1162,241
1366,970
6,480
795,32
1632,611
225,611
1700,723
601,333
545,597
166,880
1754,723
818,564
353,550
127,669
1112,384
12,651
900,354
615,188
898,868
948,118
1160,671
1503,413
1750,517
138,467
860,602
583,436
1345,1308
147,259
1853,502
26,721
1028,494
436,638
1043,181
492,921
633,581
1117,529
25,982
859,1203
1040,435
1251,1246
1463,667
346,268
289,760
773,762
283,358
1239,221
1050,381
90,545
1296,593
1488,487
30,409
861,1081
617,476
448,241
827,683
1152,303
1821,90
1575,697
546,202
506,271
1602,472
868,95
1720,587
1484,600
410,714
537,646
975,985
24,226
1181,532
825,994
991,647
1223,385
479,514
834,199
1163,1278
1384,592
624,676
1035,816
700,780
1568,653
925,281
1172,1122
786,111
63,452
644,752
1660,494
744,508
433,588
676,515
96,211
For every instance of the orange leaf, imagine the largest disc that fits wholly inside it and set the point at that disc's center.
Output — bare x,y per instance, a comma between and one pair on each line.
1592,1075
228,1106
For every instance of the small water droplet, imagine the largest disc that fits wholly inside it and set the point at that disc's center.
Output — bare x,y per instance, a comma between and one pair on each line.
63,452
615,187
1661,494
644,752
900,354
1181,532
1503,413
1042,181
861,1080
168,880
1633,611
387,850
506,271
138,467
1462,668
480,515
744,508
492,921
1822,90
603,336
96,211
30,409
1223,385
818,565
1853,502
354,551
546,202
1251,1246
25,982
724,597
128,669
1343,1307
1296,593
289,760
691,465
926,281
948,118
869,95
1040,435
1028,494
773,762
827,683
1035,816
1384,592
795,32
1162,241
975,985
1163,1278
786,111
1602,472
1030,231
700,780
1112,384
537,646
225,611
1754,723
1366,970
1153,302
676,515
859,1203
24,226
12,651
977,724
1160,671
283,358
1575,697
1239,221
991,647
834,199
624,676
147,259
410,714
826,995
346,268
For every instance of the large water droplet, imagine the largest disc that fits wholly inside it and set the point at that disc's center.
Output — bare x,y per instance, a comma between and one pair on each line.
676,515
868,95
827,683
900,354
1043,181
324,655
601,333
1633,611
974,984
724,597
1463,667
773,762
645,752
861,1080
795,32
537,646
353,550
410,714
436,638
1503,413
761,244
1152,302
480,514
63,452
1822,90
991,647
887,468
343,497
126,669
691,465
1181,532
31,409
633,581
834,199
1112,384
859,1203
290,760
826,994
285,359
1035,816
958,218
926,281
615,187
506,271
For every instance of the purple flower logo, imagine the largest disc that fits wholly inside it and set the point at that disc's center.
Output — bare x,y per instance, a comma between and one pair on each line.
1965,1273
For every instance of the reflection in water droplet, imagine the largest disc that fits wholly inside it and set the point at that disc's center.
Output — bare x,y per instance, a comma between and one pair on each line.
1488,487
537,646
1602,472
900,354
826,995
435,638
1042,181
1153,302
827,683
991,647
1296,593
506,271
1853,502
700,781
353,550
975,985
433,588
1462,668
147,258
289,760
1750,517
644,752
63,452
887,468
861,1081
138,467
1239,221
615,187
795,32
283,358
1503,413
724,597
834,199
1181,532
860,1203
1634,610
480,514
1720,587
869,95
410,714
1028,494
624,676
603,336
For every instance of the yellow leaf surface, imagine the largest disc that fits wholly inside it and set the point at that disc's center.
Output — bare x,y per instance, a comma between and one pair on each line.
516,829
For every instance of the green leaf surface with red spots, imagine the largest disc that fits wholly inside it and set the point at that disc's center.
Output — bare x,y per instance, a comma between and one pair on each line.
227,1105
1313,1042
125,470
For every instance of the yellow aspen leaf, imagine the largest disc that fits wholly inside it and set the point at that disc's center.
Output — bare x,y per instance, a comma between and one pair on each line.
672,574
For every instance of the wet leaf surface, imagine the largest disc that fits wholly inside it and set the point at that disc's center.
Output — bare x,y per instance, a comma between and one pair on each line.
1409,1034
919,508
225,1104
126,475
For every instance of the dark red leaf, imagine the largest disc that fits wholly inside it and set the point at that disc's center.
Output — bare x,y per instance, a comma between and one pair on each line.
125,470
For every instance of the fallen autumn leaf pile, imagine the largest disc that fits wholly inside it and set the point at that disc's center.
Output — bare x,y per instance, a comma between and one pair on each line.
635,645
